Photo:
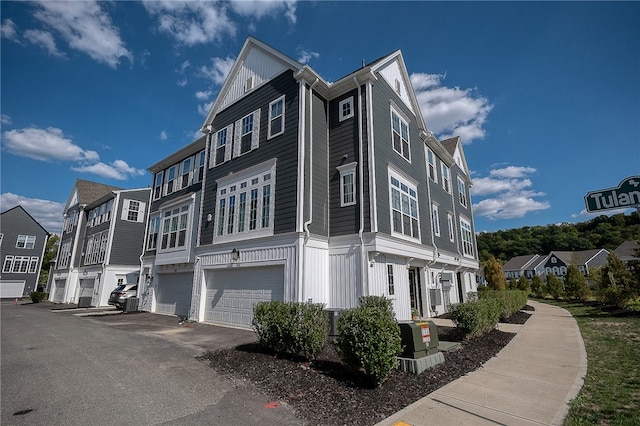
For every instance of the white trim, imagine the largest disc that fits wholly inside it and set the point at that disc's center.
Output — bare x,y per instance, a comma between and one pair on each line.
403,122
282,117
347,170
341,104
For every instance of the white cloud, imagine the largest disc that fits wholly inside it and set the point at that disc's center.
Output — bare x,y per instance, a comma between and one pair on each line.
163,136
8,30
45,40
218,70
119,170
203,95
450,111
304,56
5,120
261,8
510,194
48,213
48,144
192,22
86,27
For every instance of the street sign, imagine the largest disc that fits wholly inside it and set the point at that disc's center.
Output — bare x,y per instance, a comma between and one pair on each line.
626,195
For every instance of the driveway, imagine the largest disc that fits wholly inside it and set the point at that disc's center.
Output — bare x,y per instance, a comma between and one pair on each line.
61,368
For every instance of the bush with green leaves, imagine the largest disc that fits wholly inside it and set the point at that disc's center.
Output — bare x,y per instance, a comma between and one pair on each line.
538,289
509,301
291,327
38,296
476,318
575,284
555,286
369,338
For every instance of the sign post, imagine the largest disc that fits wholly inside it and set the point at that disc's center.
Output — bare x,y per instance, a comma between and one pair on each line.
626,195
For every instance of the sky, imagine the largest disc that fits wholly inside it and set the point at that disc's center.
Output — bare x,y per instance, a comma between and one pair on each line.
544,95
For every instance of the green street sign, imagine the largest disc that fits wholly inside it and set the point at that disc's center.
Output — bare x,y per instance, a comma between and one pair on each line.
626,195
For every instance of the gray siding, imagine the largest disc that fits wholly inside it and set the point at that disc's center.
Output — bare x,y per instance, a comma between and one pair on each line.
128,237
283,147
320,190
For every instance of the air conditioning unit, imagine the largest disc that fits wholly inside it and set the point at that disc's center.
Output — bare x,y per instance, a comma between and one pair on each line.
130,305
435,296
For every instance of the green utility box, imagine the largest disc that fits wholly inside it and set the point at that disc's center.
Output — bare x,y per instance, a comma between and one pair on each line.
419,338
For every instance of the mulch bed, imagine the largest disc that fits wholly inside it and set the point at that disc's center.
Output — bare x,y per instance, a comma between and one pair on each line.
324,392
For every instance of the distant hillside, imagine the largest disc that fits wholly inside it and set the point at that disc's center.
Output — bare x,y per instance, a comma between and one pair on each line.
601,232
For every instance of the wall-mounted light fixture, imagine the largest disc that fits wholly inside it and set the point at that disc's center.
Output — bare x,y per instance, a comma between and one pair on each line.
149,279
235,255
209,217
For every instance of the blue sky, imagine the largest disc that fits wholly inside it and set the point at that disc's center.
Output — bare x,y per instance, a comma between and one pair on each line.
545,95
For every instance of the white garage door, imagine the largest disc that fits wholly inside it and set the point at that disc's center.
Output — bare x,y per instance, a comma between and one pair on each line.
173,294
86,287
58,296
11,289
232,293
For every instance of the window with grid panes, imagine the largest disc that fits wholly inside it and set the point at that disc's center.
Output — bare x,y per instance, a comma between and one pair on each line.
404,208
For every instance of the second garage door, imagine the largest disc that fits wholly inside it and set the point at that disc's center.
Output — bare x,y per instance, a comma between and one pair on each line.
58,295
173,294
232,293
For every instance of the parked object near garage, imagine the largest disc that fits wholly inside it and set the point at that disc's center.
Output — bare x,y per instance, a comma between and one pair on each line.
119,296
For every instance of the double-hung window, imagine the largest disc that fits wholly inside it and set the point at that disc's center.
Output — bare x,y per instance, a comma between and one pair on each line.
64,256
170,186
247,133
276,118
347,184
390,281
452,231
404,207
431,165
467,237
187,165
26,241
462,192
133,210
245,203
174,228
400,135
223,140
201,159
157,185
345,109
446,182
435,219
154,228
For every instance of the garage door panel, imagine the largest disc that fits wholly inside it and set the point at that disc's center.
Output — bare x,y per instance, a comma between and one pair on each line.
58,296
86,287
232,294
173,294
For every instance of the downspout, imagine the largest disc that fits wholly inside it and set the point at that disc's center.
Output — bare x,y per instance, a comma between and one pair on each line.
305,227
299,288
433,242
455,214
363,269
142,282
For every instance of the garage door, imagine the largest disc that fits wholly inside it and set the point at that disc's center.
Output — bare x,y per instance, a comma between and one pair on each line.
86,287
173,294
11,289
232,293
58,296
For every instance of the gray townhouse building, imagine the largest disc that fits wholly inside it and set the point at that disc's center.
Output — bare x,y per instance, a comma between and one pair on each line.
100,244
310,191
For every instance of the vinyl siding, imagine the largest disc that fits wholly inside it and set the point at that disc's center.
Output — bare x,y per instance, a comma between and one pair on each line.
320,191
128,237
283,147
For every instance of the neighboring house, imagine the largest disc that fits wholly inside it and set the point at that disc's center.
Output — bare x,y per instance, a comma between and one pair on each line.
168,259
316,192
557,262
22,244
527,266
100,243
627,251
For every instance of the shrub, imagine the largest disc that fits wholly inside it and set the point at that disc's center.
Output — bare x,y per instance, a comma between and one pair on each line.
475,318
554,285
509,301
575,284
523,284
38,296
538,288
369,338
290,327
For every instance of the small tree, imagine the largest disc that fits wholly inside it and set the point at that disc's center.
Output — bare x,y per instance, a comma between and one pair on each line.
494,274
537,287
554,286
617,284
523,284
575,284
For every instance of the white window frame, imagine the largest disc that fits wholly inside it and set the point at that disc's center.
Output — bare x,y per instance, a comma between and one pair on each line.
133,210
462,192
200,162
26,242
345,109
435,219
347,171
403,200
7,264
241,130
466,236
245,204
432,171
280,117
446,180
153,232
391,288
223,135
175,224
171,181
64,256
452,231
403,123
158,184
186,172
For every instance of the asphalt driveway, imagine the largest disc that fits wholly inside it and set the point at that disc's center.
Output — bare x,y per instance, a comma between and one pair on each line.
58,367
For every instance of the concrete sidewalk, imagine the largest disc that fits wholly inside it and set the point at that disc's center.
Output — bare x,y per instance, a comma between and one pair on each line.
529,382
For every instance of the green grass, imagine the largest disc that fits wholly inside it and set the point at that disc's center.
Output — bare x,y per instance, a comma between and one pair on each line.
611,391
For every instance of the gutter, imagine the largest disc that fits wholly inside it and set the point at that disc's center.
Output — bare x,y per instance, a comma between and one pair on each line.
361,191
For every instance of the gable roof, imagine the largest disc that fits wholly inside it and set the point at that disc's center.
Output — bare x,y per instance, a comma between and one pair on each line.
84,192
520,262
577,257
627,250
24,211
454,148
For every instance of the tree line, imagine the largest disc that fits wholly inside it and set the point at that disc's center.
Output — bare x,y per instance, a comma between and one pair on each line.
606,232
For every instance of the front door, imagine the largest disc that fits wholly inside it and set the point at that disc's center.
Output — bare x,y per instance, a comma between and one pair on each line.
415,295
